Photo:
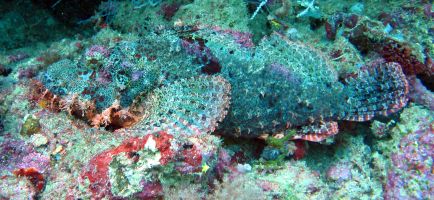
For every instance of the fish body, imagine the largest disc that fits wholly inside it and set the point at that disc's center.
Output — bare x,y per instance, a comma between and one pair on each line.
282,84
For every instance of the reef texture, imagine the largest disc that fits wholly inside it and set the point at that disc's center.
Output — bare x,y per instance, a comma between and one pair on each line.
181,99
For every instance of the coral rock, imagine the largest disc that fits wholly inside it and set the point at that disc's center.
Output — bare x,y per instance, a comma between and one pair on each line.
31,126
411,175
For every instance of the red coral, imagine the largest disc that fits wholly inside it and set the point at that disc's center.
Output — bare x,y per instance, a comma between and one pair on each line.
97,170
33,175
395,52
300,150
192,160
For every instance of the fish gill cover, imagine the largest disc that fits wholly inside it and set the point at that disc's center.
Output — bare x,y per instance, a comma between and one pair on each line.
183,99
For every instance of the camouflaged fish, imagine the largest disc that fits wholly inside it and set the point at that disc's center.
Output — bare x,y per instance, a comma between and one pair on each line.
282,84
277,85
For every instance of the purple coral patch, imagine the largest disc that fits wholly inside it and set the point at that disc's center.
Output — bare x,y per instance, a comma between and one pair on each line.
411,176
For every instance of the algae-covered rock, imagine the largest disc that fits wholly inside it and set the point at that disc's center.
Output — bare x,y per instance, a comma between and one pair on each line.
411,156
31,126
38,140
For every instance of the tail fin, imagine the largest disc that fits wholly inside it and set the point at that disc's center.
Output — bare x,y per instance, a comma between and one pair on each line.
379,89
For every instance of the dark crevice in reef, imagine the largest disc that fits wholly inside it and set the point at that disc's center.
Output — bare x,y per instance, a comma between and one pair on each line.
70,12
26,23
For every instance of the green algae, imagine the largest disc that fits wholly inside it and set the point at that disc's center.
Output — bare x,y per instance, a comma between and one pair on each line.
279,143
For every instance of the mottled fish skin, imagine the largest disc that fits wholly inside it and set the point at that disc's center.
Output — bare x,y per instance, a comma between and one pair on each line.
277,85
283,84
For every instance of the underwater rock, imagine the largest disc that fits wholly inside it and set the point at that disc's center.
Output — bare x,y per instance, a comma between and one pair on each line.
410,176
17,57
12,153
22,188
244,168
30,126
38,140
380,129
420,94
339,172
296,181
28,73
40,162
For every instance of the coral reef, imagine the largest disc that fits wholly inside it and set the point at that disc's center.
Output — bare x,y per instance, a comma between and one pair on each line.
238,99
420,94
23,188
410,155
411,175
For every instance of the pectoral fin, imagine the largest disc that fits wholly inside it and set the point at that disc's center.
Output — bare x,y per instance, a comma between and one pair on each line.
317,132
